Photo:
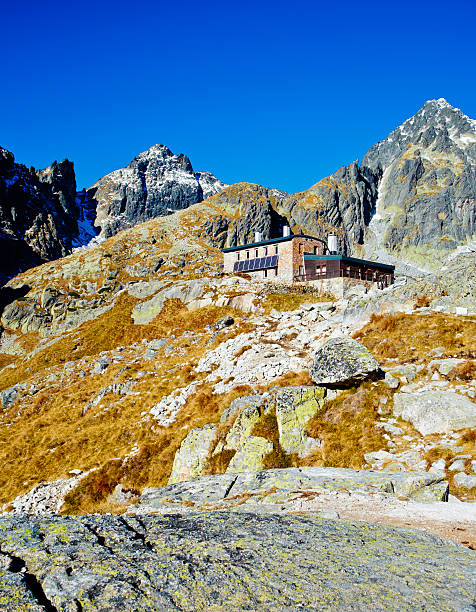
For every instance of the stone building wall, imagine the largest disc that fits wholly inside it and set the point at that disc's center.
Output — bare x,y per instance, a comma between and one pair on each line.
290,257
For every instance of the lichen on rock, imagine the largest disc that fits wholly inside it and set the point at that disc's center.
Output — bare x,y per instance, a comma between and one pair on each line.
190,459
295,406
343,362
250,455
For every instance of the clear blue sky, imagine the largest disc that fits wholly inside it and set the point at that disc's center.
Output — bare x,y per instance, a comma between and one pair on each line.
279,93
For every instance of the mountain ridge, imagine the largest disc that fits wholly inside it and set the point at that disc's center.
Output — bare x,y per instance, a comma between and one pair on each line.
410,200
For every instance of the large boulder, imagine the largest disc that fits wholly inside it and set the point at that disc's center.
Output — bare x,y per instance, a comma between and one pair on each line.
191,457
343,362
250,455
435,411
295,406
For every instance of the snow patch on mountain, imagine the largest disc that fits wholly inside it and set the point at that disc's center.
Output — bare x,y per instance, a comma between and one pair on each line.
155,183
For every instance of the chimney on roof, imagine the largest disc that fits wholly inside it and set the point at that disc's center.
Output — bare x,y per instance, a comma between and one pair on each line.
286,231
258,237
332,243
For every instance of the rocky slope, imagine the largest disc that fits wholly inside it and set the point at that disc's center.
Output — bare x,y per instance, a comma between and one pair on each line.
43,217
128,352
410,201
155,183
208,413
227,561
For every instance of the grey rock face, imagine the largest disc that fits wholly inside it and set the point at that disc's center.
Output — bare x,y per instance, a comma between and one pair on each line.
435,411
258,211
265,486
38,213
190,458
155,183
228,561
427,195
341,203
343,362
8,397
295,406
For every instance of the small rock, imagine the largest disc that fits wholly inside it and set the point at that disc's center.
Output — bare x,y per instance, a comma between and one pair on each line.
465,481
457,466
224,322
101,366
438,466
157,344
329,514
444,366
120,495
391,381
403,371
8,397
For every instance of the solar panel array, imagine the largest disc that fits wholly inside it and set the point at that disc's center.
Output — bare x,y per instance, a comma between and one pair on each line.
260,263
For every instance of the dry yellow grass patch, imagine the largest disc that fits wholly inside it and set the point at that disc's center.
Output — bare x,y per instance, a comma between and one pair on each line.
409,337
346,426
291,379
267,427
51,436
290,300
116,328
152,464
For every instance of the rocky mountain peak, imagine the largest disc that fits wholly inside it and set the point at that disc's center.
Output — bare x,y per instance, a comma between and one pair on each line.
437,127
161,157
426,170
156,182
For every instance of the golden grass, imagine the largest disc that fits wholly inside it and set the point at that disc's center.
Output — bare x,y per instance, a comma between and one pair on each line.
289,300
116,328
52,436
290,379
152,464
267,427
219,462
422,301
346,426
6,360
409,337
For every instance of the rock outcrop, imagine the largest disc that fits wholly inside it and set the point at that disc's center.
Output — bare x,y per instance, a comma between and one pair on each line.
38,213
247,208
427,185
191,457
269,489
343,362
295,406
155,183
227,561
341,204
432,411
